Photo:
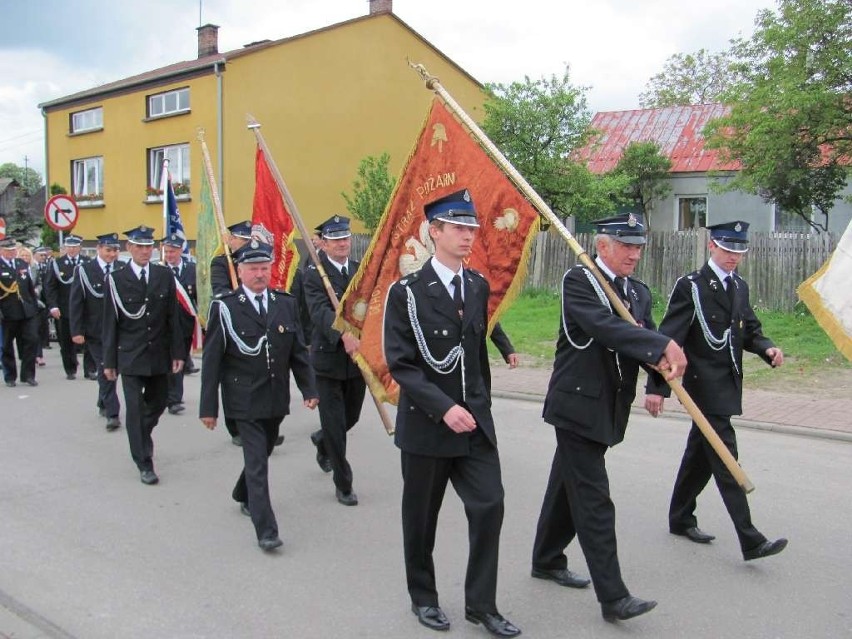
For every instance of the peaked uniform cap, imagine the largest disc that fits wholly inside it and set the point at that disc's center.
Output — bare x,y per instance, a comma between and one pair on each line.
627,228
455,208
72,240
108,239
241,229
253,252
141,235
731,236
173,239
335,228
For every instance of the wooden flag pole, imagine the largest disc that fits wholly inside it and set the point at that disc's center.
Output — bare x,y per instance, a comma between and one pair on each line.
217,207
254,126
433,84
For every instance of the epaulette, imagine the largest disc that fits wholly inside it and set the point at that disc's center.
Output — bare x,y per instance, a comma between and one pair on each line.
278,291
312,266
408,279
638,281
693,276
475,272
220,296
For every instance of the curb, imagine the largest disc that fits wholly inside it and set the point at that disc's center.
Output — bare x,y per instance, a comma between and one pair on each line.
785,429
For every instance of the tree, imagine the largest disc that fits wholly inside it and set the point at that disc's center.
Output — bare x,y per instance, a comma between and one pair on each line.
538,125
371,191
790,125
20,223
646,171
29,179
690,78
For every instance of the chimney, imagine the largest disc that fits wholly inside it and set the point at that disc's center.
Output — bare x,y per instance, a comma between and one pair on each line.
380,6
208,40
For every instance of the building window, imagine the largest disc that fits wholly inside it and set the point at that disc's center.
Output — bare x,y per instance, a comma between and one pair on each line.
789,221
168,103
691,212
178,157
87,176
88,120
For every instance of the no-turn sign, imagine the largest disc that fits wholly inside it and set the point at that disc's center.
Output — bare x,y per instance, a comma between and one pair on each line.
61,212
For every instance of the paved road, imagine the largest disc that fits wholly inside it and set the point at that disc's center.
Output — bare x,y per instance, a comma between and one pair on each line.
88,552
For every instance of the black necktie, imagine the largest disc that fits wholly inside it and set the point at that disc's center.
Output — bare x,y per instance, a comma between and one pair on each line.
619,288
106,270
731,290
142,278
343,271
457,295
260,309
176,269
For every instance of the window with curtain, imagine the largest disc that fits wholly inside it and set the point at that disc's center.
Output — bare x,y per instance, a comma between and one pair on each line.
87,176
178,157
691,212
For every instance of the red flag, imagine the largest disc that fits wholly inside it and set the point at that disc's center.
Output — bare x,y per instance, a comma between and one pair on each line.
271,218
445,159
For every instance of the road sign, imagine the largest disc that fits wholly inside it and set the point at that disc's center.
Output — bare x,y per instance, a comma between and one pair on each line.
61,212
2,228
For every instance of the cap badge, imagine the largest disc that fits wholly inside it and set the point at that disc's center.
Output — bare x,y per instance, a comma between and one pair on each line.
631,220
738,227
466,195
280,328
255,244
336,218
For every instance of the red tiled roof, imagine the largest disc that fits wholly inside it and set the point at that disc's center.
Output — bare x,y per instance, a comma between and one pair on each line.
676,129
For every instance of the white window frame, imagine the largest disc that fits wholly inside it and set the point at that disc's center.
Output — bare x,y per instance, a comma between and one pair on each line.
88,120
87,178
696,196
777,211
168,103
179,166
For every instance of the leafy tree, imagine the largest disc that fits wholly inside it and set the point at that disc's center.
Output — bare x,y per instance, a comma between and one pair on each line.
646,170
20,222
690,78
29,179
538,125
790,124
593,196
371,191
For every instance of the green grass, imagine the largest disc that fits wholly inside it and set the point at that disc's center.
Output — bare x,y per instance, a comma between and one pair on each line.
532,323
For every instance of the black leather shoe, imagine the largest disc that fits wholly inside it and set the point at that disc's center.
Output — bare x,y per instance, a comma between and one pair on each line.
11,383
149,477
30,382
562,576
270,543
244,509
92,376
112,423
432,617
176,409
236,440
101,411
70,376
347,499
322,458
191,371
766,549
694,533
494,622
626,608
279,440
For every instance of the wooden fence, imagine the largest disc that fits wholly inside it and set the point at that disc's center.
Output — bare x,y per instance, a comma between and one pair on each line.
774,266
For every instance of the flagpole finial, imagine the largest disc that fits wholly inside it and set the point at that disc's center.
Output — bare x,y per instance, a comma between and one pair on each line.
430,80
252,123
200,132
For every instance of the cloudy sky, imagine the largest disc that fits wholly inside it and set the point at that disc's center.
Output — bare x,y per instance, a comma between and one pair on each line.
51,48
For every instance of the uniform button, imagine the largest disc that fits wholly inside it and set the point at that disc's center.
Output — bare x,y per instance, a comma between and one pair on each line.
578,388
445,332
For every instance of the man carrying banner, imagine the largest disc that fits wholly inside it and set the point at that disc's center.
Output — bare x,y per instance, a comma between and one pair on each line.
435,327
340,383
142,343
86,318
184,272
598,355
710,315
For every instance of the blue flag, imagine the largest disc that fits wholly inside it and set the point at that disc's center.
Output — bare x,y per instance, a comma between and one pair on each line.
171,213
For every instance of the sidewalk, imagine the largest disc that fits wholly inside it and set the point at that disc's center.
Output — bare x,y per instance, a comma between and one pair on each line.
792,413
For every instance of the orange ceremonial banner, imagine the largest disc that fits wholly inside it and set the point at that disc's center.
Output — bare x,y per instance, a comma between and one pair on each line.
270,212
445,159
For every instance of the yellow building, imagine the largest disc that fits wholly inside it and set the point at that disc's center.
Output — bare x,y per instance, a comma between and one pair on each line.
325,100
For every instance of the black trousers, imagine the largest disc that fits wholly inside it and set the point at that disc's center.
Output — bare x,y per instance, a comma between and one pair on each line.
699,462
144,401
477,480
107,390
577,503
43,331
90,362
67,348
176,379
339,410
24,333
252,487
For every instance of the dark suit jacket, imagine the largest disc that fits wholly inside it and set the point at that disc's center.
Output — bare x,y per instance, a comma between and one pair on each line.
594,373
328,356
85,310
254,386
187,280
56,292
502,341
713,377
23,303
148,345
220,276
425,394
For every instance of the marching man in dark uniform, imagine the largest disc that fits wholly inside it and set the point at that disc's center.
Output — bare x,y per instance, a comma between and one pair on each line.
18,314
39,269
57,291
184,272
435,329
253,341
710,315
86,317
588,401
339,381
142,343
